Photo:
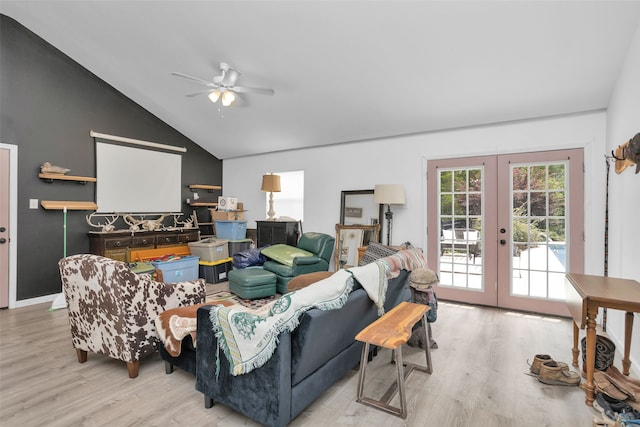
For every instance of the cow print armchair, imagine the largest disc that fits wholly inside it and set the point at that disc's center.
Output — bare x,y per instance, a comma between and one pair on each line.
112,309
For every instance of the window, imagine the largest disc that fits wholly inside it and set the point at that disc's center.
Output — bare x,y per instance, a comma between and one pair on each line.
289,202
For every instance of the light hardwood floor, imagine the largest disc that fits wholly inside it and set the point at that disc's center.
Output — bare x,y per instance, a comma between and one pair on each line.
479,379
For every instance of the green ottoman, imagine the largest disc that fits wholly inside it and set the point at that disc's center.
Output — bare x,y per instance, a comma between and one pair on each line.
251,283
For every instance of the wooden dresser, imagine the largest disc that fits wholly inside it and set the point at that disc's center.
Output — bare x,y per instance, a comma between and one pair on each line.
116,244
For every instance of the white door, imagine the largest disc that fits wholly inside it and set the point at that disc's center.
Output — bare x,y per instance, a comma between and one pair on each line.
4,227
507,228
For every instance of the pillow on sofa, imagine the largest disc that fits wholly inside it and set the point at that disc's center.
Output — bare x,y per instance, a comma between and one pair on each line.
284,254
304,280
376,251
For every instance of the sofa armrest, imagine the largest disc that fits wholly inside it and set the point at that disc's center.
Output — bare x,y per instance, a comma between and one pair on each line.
263,394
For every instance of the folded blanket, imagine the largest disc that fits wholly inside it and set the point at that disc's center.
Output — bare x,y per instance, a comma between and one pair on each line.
175,324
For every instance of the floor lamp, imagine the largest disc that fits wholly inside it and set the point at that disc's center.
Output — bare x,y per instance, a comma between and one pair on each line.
389,194
271,184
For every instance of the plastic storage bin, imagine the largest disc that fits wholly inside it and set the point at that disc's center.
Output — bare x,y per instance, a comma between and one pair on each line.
215,272
210,250
180,270
236,246
137,255
231,230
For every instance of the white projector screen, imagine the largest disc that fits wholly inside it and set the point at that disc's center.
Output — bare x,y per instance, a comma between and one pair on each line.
135,180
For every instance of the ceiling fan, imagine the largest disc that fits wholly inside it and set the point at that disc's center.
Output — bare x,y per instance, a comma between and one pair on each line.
223,87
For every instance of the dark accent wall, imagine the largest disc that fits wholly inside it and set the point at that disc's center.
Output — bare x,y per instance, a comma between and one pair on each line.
48,105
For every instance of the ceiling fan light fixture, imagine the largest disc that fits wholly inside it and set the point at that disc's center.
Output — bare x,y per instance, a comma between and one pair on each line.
227,98
214,96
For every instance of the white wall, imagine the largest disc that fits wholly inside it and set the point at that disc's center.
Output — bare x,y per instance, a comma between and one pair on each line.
623,122
359,166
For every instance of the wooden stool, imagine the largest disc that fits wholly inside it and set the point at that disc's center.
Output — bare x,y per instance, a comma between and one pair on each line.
391,331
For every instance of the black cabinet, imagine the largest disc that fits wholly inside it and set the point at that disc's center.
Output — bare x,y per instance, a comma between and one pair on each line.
274,232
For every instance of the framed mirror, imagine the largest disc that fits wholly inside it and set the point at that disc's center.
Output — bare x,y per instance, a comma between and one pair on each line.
358,207
349,238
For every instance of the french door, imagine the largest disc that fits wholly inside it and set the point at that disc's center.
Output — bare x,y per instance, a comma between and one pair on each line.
503,230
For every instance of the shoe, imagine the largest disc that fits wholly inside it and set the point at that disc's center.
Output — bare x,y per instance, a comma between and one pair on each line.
554,373
538,360
602,404
603,383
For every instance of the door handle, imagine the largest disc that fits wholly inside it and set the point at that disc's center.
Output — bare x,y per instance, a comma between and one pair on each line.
3,240
503,242
502,230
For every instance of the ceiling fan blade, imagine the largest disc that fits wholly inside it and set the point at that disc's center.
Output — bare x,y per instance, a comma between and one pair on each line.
201,92
186,76
258,90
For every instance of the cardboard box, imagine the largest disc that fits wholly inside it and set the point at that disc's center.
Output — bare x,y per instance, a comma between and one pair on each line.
210,250
226,215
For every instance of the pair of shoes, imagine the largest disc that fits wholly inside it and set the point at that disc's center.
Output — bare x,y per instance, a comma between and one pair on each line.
558,373
538,360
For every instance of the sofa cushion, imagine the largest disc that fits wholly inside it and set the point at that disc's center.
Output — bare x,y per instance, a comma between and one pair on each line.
375,251
284,254
305,280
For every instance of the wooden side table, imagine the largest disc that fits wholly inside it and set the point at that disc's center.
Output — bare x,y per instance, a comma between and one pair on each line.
391,331
585,294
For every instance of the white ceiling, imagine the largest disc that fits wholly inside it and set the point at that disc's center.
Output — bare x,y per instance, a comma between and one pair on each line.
344,70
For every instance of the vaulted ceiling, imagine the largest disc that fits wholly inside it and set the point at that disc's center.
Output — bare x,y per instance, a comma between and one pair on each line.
344,70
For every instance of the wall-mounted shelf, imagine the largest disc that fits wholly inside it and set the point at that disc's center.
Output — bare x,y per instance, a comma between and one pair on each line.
50,177
74,206
205,187
199,204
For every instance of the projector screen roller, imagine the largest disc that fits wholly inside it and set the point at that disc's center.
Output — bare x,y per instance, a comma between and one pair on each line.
135,180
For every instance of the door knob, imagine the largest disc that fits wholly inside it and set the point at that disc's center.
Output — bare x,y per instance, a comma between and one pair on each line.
3,240
502,230
503,242
3,229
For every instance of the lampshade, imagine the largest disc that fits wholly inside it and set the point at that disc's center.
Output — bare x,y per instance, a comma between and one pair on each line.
389,194
227,98
214,96
271,183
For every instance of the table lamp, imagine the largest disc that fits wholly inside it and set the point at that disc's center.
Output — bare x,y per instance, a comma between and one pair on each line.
389,194
271,184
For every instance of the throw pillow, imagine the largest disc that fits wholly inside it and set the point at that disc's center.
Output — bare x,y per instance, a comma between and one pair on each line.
376,251
305,280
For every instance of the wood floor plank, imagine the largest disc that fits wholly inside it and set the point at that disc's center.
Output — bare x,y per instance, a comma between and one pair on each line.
479,379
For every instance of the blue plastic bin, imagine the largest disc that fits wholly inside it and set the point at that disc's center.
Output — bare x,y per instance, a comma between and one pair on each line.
181,270
231,230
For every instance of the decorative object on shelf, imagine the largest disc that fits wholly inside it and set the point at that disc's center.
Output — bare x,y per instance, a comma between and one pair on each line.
389,194
627,154
52,169
271,184
107,226
136,224
182,224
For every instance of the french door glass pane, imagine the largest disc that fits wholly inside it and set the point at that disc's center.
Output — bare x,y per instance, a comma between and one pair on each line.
461,210
539,230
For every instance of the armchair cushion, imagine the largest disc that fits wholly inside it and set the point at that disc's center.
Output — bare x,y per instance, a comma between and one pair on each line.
284,254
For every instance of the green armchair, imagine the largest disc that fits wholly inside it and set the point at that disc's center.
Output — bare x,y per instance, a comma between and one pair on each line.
321,247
